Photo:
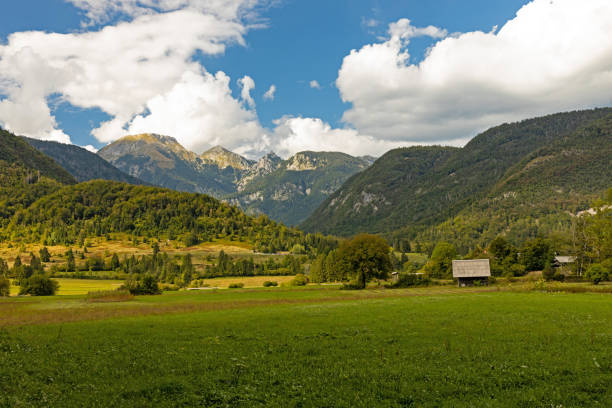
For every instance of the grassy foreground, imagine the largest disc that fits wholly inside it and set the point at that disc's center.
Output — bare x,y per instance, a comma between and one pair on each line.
310,348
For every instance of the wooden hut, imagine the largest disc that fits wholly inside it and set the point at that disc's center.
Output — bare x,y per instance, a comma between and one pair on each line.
469,271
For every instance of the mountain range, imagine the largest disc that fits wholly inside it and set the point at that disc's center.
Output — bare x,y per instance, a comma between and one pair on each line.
520,179
82,164
286,190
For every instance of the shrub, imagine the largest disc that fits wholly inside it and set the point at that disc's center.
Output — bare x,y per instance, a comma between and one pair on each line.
268,284
548,272
119,295
5,286
596,273
147,286
299,280
236,285
406,280
351,286
39,285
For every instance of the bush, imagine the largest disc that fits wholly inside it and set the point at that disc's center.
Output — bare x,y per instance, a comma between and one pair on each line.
39,285
236,285
268,284
548,272
147,286
406,280
596,273
299,280
5,286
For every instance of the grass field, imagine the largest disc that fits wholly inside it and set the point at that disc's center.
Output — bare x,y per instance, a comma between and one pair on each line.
310,347
79,286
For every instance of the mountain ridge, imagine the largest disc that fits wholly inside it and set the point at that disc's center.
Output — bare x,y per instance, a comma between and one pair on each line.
393,199
256,186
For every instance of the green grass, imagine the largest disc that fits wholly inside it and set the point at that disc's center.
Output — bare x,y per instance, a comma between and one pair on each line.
79,286
312,347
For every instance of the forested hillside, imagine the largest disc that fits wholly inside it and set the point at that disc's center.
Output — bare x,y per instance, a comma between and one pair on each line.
80,163
15,152
554,164
97,208
25,175
540,195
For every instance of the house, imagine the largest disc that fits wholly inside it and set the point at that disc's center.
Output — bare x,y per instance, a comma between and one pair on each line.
563,263
469,271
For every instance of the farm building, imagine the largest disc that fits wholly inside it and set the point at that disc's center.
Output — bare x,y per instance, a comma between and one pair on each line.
469,271
564,263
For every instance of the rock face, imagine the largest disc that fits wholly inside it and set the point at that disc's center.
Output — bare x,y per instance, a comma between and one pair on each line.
223,158
162,161
289,190
285,190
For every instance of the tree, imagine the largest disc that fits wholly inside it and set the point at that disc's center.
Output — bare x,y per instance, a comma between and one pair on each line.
4,269
441,263
45,256
365,257
38,285
186,270
596,273
35,263
114,262
5,286
70,263
318,273
535,254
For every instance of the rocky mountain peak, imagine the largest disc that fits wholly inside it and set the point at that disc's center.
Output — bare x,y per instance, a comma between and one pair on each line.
224,158
305,161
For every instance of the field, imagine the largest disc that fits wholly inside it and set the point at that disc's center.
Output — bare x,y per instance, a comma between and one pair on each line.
310,347
79,286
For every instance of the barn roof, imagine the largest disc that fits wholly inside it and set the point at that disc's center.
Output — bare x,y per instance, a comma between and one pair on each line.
472,268
565,259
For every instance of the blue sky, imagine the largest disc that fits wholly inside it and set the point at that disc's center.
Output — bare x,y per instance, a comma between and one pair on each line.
297,42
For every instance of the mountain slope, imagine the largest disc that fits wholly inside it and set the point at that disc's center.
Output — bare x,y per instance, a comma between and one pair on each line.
14,152
285,190
541,193
162,161
100,207
395,195
290,190
80,163
25,175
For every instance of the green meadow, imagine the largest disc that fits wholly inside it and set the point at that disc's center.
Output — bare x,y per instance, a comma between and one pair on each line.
310,347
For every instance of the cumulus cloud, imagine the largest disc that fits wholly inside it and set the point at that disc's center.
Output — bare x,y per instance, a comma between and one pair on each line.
203,113
121,69
552,56
247,84
101,11
314,84
270,93
295,134
90,148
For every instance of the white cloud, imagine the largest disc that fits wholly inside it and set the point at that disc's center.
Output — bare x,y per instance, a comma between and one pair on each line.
270,93
314,84
120,69
552,56
90,148
247,84
202,113
295,134
101,11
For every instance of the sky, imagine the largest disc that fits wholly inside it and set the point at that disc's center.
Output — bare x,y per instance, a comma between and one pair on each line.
358,76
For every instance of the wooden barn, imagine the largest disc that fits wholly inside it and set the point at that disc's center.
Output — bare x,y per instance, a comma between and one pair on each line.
468,271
